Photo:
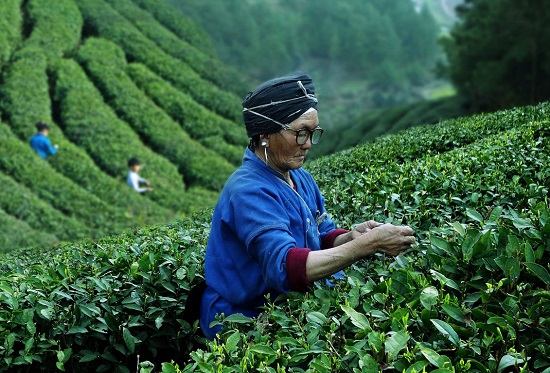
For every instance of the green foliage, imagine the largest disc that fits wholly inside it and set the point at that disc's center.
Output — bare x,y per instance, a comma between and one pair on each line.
497,55
26,104
102,18
202,125
21,234
205,65
23,165
39,43
199,165
22,204
362,55
371,125
179,24
91,123
56,27
11,23
472,295
128,303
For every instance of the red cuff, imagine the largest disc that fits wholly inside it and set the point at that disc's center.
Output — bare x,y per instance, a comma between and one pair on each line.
296,269
328,240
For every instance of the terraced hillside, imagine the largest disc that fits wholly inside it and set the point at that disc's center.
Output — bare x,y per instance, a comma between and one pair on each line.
114,79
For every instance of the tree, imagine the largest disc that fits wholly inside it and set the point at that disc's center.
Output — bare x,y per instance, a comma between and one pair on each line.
498,54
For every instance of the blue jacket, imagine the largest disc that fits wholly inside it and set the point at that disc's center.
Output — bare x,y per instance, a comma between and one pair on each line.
257,220
41,144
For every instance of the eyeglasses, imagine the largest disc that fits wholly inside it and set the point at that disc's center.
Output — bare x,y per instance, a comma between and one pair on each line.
304,134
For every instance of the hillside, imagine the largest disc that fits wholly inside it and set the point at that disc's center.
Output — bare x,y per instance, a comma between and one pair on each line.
471,296
114,79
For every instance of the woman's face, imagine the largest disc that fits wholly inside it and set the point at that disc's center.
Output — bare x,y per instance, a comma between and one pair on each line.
282,150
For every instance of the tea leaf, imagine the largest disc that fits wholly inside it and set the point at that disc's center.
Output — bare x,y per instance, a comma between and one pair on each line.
540,271
357,319
396,343
447,331
129,340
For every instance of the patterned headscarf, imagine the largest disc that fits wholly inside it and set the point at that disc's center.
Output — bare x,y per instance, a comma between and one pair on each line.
278,102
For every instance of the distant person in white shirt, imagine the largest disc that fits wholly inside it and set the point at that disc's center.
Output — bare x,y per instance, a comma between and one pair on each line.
134,179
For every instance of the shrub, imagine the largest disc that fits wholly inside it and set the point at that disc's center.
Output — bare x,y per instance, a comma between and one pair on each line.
209,67
211,130
23,165
92,124
199,165
471,295
179,24
11,24
21,234
105,21
26,105
129,303
56,27
22,204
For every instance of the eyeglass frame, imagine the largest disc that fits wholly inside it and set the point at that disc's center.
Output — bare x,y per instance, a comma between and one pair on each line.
310,132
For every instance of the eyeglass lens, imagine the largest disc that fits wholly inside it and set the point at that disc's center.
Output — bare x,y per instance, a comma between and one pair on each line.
303,134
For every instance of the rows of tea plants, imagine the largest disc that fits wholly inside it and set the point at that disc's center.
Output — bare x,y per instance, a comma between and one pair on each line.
183,27
19,161
97,305
88,121
104,20
56,27
22,204
21,234
42,78
210,68
11,23
424,140
219,134
472,295
25,107
198,39
105,62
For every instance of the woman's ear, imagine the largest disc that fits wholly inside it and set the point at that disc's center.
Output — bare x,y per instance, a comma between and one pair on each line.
264,141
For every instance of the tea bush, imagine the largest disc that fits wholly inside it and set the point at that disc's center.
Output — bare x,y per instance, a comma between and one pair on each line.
56,27
104,20
11,23
199,165
201,124
23,165
22,204
93,306
21,234
472,295
180,25
27,104
88,121
207,66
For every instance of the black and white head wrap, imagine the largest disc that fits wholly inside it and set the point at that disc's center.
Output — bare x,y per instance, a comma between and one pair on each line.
276,103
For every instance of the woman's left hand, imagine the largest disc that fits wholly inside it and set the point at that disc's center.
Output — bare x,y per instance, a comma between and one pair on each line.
363,228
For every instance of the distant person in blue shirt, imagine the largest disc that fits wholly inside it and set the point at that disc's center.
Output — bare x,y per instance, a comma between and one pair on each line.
40,142
134,179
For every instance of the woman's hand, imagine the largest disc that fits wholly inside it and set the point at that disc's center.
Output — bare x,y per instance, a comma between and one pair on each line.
363,228
389,239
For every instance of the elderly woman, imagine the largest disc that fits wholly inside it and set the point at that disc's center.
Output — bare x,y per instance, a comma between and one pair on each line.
270,231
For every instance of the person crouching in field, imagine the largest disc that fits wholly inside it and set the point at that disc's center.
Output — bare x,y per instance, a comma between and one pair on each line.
134,180
40,142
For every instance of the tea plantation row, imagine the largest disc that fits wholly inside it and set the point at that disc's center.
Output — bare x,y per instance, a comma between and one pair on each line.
472,296
60,63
